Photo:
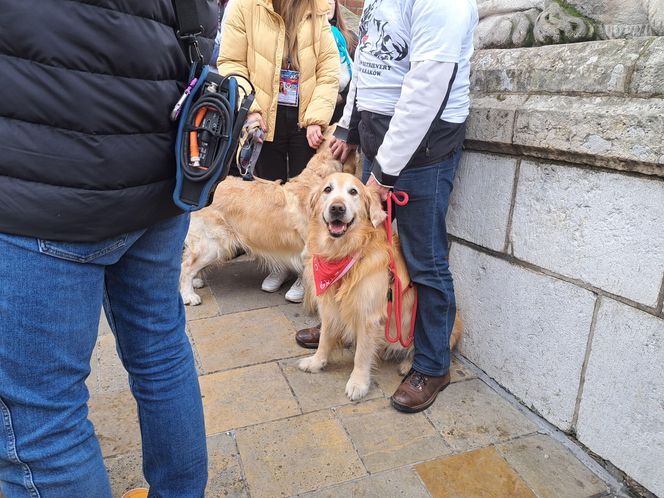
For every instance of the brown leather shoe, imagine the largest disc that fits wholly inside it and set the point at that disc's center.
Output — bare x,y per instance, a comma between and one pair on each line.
418,391
308,338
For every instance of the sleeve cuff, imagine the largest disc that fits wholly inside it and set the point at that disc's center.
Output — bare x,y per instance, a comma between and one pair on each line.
341,133
351,137
383,178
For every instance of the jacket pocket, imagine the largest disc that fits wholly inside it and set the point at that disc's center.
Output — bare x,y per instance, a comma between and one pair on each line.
81,252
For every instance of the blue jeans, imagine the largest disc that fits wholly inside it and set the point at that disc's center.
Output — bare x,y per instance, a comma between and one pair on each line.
423,234
51,294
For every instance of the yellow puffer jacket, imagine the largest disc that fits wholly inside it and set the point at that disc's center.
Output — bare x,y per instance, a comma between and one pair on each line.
253,44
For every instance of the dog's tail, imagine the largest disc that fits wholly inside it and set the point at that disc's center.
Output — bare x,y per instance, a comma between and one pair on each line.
457,332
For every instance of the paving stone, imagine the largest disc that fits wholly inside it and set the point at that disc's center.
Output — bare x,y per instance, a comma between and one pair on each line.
471,415
296,455
104,327
115,419
112,377
225,473
92,381
298,316
208,307
393,484
241,339
549,469
237,287
386,438
602,228
125,472
246,396
388,378
480,202
327,388
621,416
480,473
526,330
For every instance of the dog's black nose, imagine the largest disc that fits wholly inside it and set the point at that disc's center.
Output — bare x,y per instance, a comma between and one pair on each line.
337,209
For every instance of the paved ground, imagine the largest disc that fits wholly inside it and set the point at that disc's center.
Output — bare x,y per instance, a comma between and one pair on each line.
289,433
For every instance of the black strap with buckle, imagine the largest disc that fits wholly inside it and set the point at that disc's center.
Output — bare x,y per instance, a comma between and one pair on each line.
189,27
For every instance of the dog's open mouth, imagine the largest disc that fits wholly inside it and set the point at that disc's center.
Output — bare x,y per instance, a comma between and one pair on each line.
337,227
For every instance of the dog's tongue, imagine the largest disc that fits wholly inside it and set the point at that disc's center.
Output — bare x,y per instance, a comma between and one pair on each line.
336,227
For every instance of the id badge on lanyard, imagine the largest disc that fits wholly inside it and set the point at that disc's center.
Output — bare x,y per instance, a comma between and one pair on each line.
289,87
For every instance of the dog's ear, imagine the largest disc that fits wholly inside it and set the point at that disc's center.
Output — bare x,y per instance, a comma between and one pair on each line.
374,207
314,196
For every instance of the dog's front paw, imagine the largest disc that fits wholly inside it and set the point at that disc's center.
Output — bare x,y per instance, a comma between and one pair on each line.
198,283
356,389
311,364
191,298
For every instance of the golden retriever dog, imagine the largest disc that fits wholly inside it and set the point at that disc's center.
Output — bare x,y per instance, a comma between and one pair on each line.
347,220
266,219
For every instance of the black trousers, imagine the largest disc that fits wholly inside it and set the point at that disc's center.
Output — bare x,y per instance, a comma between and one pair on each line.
289,152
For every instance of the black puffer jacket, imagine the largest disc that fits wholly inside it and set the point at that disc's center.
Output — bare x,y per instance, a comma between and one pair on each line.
86,88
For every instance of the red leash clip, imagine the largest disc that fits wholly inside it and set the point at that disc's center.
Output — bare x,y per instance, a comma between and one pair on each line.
400,199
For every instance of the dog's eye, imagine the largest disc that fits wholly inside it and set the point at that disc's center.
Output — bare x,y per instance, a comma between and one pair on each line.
327,189
353,191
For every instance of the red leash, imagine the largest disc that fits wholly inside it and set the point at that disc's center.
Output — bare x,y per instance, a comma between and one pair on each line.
401,199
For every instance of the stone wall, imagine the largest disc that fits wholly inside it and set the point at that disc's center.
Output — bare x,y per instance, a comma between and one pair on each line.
557,227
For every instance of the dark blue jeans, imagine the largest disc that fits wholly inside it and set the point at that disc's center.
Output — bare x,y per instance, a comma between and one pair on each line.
423,234
51,294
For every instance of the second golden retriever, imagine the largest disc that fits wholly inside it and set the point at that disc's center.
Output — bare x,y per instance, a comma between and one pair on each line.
266,219
347,223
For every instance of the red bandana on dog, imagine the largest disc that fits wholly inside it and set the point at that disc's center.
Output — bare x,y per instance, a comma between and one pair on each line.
328,272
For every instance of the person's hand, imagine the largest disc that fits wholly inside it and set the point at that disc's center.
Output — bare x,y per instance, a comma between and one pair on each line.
256,116
381,189
340,149
314,136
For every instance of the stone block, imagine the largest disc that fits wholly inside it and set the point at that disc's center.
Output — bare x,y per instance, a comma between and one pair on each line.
621,417
225,473
297,455
599,67
208,307
603,130
327,388
480,202
388,378
385,438
397,483
648,77
491,119
476,474
242,339
246,396
526,330
125,472
549,469
115,419
237,287
470,415
599,227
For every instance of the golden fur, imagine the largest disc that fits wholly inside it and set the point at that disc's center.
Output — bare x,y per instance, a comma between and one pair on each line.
355,309
266,219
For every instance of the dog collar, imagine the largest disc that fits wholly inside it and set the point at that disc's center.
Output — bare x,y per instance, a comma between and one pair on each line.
327,272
